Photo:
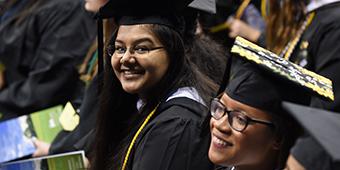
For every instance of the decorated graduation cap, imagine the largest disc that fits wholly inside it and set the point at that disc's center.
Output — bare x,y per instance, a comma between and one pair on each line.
259,78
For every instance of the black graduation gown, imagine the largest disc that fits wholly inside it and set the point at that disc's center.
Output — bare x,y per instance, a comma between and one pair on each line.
80,137
171,141
41,56
319,51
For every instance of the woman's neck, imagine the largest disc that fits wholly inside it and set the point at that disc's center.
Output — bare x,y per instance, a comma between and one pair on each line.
270,162
265,166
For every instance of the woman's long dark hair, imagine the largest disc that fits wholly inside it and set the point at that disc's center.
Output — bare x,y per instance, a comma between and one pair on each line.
117,118
207,55
287,130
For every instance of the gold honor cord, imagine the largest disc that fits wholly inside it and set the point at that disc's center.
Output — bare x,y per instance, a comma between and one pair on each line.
238,15
241,9
264,8
126,158
287,51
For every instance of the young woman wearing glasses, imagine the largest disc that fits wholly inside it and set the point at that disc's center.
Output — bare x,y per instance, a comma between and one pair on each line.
248,128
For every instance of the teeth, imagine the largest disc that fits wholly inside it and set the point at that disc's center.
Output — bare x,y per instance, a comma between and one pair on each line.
130,72
219,141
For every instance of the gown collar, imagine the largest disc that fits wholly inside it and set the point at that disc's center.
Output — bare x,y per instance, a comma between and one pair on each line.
188,92
315,4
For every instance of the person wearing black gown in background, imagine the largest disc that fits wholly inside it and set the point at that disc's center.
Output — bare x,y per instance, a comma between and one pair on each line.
309,36
80,138
42,44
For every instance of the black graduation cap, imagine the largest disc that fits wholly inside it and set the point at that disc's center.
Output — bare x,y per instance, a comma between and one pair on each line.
166,12
153,7
322,125
114,8
259,78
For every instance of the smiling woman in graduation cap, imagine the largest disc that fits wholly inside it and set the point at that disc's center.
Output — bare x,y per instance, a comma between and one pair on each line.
249,127
152,102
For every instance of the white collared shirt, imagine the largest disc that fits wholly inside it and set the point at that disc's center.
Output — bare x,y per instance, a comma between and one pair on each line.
315,4
188,92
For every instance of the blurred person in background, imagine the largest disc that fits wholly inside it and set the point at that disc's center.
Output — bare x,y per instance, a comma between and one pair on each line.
81,137
235,18
43,42
307,32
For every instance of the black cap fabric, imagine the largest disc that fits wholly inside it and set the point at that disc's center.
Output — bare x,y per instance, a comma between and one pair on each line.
164,12
114,8
131,12
322,125
255,87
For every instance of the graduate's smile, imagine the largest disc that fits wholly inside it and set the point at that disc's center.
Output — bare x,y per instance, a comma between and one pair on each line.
130,74
219,142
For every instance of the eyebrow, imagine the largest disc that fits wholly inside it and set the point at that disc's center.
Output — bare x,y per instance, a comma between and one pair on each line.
137,41
236,109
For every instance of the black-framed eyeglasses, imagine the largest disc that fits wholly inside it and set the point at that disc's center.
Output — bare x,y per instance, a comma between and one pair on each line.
119,51
237,119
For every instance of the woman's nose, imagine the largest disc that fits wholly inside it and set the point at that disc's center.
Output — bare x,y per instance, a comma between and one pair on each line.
223,124
127,57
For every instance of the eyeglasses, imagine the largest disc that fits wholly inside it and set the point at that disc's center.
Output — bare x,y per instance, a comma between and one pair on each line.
119,51
237,119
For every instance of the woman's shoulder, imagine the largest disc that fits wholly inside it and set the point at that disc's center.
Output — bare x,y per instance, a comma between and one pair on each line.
179,112
175,136
184,108
329,14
